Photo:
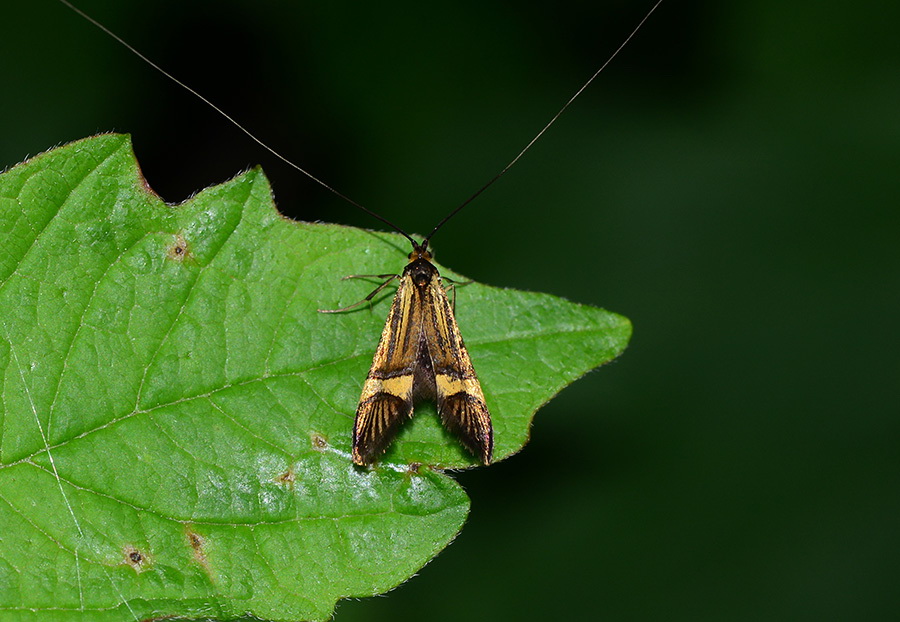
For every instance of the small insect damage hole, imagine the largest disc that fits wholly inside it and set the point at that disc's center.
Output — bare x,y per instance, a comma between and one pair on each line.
179,249
319,441
135,558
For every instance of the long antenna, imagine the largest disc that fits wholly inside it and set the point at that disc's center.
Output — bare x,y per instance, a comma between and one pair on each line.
231,120
545,128
284,159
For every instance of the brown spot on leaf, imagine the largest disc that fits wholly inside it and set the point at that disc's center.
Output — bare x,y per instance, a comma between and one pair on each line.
196,542
135,558
198,548
413,468
319,442
287,478
179,249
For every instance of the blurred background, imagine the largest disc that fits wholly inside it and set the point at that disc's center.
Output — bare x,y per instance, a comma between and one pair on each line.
731,183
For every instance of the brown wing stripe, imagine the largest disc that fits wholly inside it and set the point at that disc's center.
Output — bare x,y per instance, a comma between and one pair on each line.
467,417
385,374
377,421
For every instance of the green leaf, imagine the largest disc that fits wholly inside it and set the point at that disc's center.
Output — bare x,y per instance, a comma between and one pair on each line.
175,418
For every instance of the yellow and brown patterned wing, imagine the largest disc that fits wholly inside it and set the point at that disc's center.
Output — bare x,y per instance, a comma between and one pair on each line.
459,398
387,395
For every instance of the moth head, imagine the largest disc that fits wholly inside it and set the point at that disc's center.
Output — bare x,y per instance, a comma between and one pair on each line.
420,251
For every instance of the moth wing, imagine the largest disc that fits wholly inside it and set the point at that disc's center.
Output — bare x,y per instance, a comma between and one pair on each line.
387,395
460,401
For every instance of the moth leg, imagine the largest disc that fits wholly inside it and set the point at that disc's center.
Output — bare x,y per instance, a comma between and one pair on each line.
452,288
455,282
389,277
369,276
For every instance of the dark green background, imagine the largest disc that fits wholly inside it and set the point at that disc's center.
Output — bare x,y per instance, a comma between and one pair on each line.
731,184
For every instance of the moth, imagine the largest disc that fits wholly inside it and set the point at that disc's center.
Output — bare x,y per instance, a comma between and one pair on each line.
421,354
